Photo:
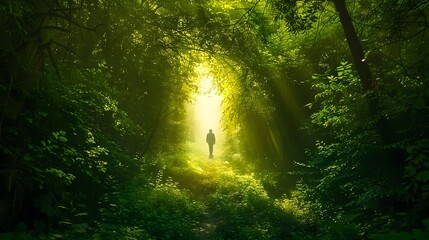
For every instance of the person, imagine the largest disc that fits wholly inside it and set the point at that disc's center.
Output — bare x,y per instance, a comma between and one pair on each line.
211,140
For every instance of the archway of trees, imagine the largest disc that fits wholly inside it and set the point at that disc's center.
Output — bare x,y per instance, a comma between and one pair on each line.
320,110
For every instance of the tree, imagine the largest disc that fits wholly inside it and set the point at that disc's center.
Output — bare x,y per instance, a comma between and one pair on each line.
344,156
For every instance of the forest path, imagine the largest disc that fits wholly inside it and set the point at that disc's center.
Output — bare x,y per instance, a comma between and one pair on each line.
218,185
201,176
196,197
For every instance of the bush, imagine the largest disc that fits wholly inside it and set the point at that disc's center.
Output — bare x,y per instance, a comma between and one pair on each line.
162,211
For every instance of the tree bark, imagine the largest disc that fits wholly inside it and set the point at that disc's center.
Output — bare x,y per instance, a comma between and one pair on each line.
382,125
354,45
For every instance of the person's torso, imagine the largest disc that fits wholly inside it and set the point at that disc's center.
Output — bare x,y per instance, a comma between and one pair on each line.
210,137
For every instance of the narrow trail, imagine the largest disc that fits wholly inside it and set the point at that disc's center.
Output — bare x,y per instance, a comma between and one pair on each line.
202,198
234,201
202,176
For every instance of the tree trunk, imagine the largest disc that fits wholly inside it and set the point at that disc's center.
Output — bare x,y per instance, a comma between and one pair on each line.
382,125
354,45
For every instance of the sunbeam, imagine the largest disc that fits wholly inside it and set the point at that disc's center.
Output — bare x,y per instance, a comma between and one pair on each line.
207,114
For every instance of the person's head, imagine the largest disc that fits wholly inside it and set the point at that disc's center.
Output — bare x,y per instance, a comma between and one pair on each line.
210,130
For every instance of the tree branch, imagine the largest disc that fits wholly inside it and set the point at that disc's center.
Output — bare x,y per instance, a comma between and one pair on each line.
73,22
248,12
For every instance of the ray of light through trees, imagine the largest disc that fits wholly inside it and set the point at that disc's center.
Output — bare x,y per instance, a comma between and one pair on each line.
320,110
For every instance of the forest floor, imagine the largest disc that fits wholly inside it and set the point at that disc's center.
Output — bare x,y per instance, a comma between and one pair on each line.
200,177
191,197
235,203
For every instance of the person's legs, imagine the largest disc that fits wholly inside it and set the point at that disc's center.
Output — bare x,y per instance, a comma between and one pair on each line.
211,149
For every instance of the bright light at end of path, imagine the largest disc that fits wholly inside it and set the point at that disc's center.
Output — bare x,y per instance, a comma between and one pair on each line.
207,115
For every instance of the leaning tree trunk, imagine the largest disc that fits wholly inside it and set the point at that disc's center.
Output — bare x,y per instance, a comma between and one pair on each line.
382,126
354,45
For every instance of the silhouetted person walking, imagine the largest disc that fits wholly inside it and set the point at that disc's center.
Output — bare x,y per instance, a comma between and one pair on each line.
211,140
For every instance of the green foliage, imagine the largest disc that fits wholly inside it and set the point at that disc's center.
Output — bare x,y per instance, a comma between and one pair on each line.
92,120
244,211
161,211
16,10
338,94
338,159
417,168
299,15
417,234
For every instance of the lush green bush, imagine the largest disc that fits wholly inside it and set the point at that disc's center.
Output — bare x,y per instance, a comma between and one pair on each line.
243,210
160,210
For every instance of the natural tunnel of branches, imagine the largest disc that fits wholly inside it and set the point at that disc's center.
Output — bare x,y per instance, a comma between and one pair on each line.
214,119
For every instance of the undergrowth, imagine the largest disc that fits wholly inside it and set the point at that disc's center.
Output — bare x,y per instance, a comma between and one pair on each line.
189,197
